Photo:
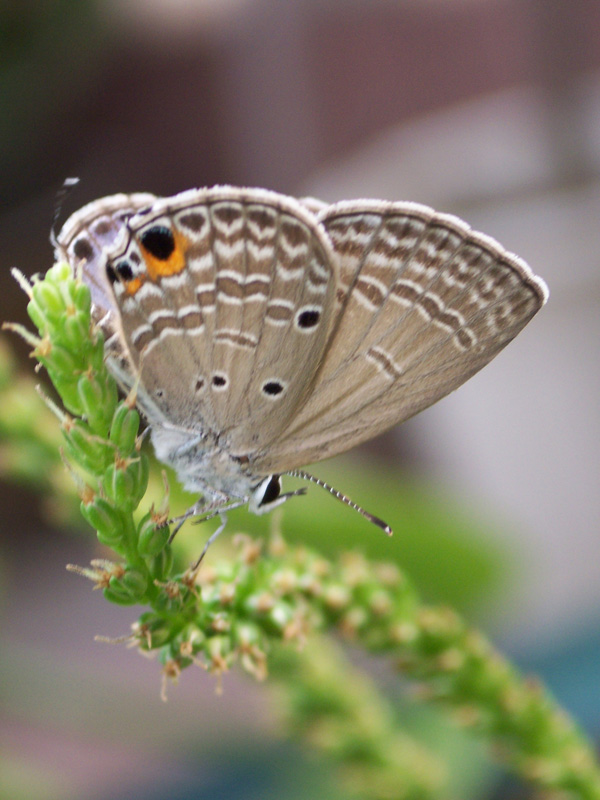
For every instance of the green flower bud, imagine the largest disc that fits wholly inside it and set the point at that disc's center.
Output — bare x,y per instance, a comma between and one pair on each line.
37,315
98,400
161,564
60,360
88,450
68,390
75,330
59,272
195,637
152,539
141,468
276,613
135,582
156,628
91,393
117,596
106,520
48,297
218,651
246,634
281,615
119,486
96,353
81,296
124,428
128,589
125,482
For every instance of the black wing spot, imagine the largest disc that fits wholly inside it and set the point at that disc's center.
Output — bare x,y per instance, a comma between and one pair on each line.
83,249
124,270
272,388
308,318
219,381
159,242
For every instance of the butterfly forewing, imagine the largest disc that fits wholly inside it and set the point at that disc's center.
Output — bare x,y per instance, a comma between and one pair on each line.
425,303
225,301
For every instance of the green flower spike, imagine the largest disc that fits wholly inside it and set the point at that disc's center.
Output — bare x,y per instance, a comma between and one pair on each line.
269,610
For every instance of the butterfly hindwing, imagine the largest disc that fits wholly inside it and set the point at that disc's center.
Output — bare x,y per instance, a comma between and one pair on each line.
425,303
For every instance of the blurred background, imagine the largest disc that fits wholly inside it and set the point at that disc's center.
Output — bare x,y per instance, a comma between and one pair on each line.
488,109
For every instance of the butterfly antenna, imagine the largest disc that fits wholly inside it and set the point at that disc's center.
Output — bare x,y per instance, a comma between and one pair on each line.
298,473
62,194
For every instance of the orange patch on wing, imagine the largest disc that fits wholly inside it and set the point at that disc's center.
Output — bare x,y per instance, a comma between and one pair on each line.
157,268
133,285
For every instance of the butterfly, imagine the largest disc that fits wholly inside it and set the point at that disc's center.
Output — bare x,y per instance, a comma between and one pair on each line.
264,333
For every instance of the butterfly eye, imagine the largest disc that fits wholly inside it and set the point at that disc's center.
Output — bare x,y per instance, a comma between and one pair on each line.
159,242
268,491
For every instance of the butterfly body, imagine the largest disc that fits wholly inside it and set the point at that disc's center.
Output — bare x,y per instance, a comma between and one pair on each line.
262,333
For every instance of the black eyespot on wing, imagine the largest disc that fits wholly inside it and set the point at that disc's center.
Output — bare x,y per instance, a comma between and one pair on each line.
272,491
159,242
111,274
272,388
83,249
308,318
219,381
124,270
199,384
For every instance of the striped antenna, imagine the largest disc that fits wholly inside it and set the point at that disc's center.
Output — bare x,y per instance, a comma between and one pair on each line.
299,473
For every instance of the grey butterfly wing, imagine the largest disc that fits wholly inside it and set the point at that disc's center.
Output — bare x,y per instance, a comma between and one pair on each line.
424,303
225,300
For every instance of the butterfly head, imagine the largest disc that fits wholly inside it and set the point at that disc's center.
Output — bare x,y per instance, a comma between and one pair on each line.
266,495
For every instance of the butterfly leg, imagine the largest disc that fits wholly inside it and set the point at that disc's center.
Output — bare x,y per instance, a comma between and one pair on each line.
179,522
211,538
199,509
